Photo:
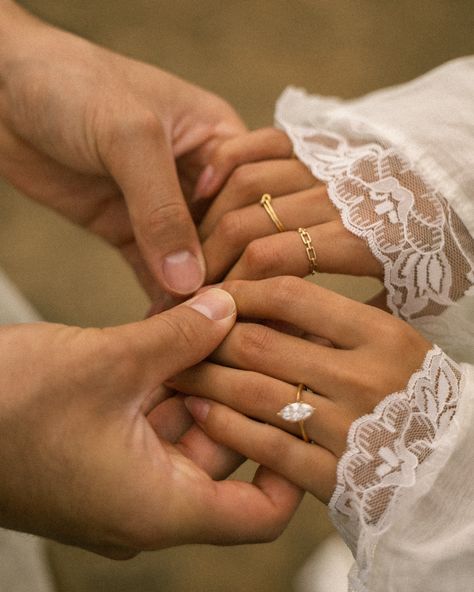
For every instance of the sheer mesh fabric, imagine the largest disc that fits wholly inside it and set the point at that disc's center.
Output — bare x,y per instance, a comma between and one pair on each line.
427,252
384,452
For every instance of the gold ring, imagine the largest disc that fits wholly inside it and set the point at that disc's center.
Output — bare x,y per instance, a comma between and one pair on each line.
298,412
310,252
266,202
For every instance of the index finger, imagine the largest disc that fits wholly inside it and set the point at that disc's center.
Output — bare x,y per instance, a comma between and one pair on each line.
141,161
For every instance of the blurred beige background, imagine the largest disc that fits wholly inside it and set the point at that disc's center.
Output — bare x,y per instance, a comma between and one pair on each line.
247,52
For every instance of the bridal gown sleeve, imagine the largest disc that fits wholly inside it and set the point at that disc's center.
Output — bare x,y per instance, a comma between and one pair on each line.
399,167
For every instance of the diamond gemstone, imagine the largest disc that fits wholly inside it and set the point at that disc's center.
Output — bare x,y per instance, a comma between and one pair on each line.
296,412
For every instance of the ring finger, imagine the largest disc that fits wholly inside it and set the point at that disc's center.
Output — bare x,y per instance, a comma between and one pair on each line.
337,251
262,397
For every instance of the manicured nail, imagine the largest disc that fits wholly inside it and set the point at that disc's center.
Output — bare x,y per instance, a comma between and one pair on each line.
183,272
214,304
204,183
198,408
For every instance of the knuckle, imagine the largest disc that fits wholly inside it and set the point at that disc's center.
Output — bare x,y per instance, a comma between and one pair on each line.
178,331
228,154
138,124
224,156
229,227
244,179
260,256
284,289
252,340
141,123
164,216
234,287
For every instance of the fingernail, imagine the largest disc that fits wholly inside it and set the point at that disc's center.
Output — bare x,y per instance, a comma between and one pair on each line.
214,304
198,408
183,272
204,183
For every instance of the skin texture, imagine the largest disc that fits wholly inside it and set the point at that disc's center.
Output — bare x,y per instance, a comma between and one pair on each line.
86,462
350,355
93,450
240,241
113,144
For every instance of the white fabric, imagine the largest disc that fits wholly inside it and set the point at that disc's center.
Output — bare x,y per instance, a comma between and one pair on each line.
327,568
23,563
398,165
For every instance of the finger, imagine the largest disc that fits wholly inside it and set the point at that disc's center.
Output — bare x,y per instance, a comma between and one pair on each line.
247,184
215,459
309,466
344,322
262,397
235,512
337,251
165,344
141,161
236,229
170,419
251,346
262,144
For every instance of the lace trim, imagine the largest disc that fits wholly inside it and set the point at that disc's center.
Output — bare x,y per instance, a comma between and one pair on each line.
384,452
425,249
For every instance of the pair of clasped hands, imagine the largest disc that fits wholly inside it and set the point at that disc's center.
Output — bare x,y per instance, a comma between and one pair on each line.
94,450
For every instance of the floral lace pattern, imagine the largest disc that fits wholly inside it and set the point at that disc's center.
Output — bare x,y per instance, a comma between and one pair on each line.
385,449
426,252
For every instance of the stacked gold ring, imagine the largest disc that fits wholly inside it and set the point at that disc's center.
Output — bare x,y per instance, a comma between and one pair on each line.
266,202
310,252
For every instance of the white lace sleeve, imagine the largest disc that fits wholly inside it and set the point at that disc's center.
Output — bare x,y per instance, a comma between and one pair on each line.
398,165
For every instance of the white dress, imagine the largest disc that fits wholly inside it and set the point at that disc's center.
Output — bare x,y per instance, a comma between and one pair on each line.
399,166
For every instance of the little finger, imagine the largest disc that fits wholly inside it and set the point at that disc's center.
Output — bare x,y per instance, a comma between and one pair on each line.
309,466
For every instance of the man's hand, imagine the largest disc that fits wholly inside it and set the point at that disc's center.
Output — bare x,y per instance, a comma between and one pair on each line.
109,142
79,451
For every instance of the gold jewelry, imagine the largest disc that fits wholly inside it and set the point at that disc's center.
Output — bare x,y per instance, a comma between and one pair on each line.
310,252
266,202
298,412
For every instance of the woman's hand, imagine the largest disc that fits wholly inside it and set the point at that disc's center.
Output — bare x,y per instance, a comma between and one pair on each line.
240,241
109,142
356,355
85,436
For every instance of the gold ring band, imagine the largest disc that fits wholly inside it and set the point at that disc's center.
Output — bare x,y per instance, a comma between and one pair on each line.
310,252
266,202
298,412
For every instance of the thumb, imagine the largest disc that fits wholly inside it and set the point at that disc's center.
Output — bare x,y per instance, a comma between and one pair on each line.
179,338
142,163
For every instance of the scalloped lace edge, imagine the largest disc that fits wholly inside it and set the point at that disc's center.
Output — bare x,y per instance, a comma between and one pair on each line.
376,470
